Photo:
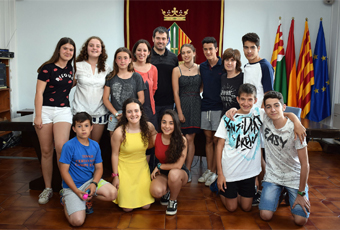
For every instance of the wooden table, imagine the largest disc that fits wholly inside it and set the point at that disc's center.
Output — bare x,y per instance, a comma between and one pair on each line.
318,130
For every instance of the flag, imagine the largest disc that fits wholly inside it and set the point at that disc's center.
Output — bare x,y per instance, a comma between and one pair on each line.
320,101
291,68
279,64
305,74
177,39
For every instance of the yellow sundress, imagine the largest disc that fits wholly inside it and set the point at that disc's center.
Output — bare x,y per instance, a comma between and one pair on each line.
134,174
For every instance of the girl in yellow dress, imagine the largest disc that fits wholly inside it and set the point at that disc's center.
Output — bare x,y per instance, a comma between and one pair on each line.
131,174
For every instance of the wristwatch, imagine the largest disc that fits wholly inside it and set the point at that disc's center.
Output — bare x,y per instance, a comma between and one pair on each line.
302,193
159,166
116,115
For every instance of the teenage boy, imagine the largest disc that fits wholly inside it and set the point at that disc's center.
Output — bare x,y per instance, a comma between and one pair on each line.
286,164
211,106
239,149
258,71
238,152
81,169
165,61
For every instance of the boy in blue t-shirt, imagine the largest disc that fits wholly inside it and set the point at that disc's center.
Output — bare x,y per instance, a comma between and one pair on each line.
81,169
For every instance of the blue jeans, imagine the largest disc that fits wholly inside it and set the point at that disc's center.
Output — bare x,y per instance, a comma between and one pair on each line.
270,197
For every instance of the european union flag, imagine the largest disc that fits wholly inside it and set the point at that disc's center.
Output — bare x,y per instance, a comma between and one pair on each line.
320,100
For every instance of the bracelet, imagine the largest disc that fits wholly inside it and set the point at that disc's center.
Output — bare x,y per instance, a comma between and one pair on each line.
159,166
114,174
95,183
116,115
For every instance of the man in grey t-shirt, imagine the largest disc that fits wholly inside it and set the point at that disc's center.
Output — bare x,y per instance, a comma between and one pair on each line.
286,164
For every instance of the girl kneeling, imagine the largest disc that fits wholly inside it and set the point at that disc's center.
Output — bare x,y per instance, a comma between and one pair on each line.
171,173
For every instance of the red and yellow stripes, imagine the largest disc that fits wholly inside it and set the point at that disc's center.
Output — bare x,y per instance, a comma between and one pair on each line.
305,74
278,47
182,39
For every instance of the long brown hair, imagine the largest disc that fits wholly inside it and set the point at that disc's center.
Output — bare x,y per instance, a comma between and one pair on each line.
144,127
56,55
115,70
177,145
84,56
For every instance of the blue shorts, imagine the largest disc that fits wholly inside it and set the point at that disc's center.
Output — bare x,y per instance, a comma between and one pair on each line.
270,198
113,121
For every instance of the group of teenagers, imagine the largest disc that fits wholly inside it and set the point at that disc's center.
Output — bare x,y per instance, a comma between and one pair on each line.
153,107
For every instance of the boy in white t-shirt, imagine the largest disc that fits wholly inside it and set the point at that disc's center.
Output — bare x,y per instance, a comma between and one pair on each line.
286,162
238,151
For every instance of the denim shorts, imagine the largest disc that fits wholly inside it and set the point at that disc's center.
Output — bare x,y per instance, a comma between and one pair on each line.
270,197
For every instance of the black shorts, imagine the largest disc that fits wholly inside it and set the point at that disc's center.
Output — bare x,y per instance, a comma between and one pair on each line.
166,172
245,188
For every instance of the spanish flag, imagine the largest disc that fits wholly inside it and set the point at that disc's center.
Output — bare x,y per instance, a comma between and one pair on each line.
291,68
279,64
305,74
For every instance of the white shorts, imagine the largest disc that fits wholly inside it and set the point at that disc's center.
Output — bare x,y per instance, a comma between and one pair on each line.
50,114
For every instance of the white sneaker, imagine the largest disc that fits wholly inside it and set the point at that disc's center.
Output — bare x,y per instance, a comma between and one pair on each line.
204,176
45,196
211,179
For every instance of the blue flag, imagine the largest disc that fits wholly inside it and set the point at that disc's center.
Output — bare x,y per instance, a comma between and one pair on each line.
320,100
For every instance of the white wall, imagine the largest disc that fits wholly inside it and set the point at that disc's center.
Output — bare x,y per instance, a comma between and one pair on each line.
40,24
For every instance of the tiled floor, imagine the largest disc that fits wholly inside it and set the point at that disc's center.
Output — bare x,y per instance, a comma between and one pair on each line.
198,207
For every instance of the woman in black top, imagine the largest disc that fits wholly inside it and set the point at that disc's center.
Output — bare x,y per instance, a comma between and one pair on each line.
52,113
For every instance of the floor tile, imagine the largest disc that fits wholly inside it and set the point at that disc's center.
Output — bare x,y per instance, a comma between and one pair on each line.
193,222
325,222
147,221
239,222
14,217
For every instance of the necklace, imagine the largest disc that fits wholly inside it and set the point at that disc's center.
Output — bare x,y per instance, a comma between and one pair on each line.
190,66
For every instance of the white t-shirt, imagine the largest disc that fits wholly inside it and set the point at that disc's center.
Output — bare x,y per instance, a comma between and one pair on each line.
282,162
241,155
261,75
88,96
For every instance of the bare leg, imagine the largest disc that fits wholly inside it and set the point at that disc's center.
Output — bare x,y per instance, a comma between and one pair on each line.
176,179
61,132
76,218
107,192
45,136
299,220
229,204
159,186
191,150
97,132
209,148
245,203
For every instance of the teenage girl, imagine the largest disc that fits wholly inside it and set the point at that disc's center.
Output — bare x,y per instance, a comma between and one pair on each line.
170,175
122,83
131,174
52,113
90,82
186,83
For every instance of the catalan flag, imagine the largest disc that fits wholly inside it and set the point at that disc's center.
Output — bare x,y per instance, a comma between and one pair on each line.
320,101
305,74
279,64
291,68
177,39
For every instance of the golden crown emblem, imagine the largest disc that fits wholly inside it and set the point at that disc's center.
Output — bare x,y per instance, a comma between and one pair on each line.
174,15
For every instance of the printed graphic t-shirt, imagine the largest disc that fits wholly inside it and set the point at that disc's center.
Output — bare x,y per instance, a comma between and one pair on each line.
122,89
58,84
82,160
282,161
241,155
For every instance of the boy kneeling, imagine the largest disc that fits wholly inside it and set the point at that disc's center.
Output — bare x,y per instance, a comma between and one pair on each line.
81,169
286,163
238,152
